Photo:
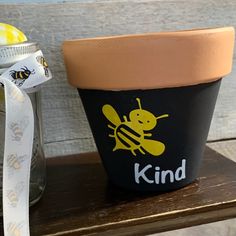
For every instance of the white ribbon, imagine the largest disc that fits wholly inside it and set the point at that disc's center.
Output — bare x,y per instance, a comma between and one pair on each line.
20,78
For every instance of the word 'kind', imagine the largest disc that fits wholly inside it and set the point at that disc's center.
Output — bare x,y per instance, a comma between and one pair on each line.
160,176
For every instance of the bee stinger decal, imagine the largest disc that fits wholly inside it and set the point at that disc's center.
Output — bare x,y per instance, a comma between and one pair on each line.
131,134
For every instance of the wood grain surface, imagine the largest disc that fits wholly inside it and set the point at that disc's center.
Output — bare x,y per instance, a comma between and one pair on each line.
225,148
65,126
79,200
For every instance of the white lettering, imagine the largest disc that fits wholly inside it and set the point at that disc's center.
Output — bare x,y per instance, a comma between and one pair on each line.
157,175
160,176
141,173
180,172
164,173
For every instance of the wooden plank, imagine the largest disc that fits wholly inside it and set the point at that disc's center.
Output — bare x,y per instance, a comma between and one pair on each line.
225,148
43,1
50,24
219,228
79,201
69,147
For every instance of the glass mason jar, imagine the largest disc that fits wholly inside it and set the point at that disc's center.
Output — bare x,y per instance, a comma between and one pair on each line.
9,55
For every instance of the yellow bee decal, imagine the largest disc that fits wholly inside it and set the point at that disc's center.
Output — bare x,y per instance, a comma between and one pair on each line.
41,60
14,161
21,75
14,194
130,134
14,229
13,198
18,129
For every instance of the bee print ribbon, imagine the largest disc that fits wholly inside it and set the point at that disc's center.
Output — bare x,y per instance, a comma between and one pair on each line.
21,78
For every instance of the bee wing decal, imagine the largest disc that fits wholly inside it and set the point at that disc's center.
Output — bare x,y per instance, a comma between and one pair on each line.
153,147
111,114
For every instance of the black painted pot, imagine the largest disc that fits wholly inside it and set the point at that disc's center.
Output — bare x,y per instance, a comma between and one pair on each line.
151,140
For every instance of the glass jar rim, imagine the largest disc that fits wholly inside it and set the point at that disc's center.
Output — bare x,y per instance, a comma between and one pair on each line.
10,54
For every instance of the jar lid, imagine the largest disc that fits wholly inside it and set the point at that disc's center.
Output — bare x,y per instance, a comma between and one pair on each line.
10,54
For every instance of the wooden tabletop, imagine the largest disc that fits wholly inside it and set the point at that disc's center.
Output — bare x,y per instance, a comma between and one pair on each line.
79,200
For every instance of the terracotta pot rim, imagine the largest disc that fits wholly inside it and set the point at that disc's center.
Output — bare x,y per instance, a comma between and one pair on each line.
180,33
150,60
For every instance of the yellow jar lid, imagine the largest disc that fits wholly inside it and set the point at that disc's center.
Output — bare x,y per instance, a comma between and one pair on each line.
10,35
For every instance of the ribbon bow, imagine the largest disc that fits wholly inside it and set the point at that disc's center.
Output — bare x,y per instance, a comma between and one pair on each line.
24,76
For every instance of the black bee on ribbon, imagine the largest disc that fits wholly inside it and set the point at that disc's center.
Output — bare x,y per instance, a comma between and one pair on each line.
41,60
22,75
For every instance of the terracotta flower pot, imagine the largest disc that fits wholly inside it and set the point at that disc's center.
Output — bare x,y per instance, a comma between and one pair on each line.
149,100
